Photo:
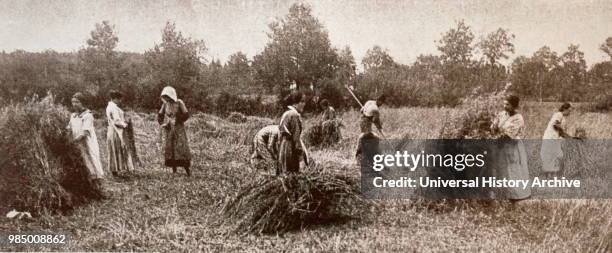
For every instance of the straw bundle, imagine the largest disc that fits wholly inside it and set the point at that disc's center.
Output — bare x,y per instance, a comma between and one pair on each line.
281,204
40,169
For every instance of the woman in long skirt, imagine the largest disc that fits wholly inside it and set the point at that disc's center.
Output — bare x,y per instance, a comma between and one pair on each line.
551,152
119,157
290,130
81,126
510,126
172,117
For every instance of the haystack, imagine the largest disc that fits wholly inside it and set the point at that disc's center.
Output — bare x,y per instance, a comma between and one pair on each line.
236,117
272,204
471,122
324,133
39,168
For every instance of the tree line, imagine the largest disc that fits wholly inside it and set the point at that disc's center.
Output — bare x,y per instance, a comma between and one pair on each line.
299,55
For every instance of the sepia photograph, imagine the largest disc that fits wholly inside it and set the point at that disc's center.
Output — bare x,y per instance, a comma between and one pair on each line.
305,126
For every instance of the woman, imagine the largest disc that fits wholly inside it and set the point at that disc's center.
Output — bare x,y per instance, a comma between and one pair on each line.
510,127
551,152
81,126
290,131
172,117
330,127
119,157
265,145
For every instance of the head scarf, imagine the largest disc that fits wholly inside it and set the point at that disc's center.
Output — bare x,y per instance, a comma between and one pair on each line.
170,92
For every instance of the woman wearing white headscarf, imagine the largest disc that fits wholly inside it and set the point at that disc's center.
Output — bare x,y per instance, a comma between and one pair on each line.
172,117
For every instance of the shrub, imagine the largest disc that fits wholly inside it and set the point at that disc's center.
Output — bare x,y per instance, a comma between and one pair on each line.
40,169
602,103
226,103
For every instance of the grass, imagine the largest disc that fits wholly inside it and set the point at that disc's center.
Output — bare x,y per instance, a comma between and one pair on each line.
158,211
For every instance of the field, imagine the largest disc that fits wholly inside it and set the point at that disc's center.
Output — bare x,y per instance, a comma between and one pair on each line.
155,210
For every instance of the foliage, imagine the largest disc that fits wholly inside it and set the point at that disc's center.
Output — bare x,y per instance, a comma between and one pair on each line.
249,105
99,62
456,44
175,62
377,57
299,51
606,47
497,45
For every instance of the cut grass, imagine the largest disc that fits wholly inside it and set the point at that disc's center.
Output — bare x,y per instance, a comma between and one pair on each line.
158,211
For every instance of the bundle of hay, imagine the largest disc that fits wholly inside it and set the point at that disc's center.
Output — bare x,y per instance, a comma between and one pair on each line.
472,121
39,168
474,118
582,157
236,117
280,204
323,133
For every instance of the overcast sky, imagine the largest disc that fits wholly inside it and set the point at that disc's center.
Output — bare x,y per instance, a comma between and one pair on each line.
405,28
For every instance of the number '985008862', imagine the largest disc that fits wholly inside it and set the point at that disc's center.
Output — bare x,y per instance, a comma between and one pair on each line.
32,238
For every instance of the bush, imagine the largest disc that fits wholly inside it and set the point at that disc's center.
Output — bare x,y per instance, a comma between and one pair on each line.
602,103
226,103
40,169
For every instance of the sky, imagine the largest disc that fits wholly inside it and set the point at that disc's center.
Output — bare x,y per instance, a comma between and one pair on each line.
405,28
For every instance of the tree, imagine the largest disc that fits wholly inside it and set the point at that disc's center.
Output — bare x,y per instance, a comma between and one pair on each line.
99,61
427,67
237,73
497,45
574,73
299,51
177,61
606,47
456,44
549,58
346,65
528,75
376,57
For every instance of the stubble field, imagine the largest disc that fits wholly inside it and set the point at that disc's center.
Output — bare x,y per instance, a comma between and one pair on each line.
155,210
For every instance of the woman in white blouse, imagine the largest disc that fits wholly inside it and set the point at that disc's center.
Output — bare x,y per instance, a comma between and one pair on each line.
119,157
510,127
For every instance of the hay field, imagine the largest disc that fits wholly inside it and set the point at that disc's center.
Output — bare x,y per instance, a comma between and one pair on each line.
158,211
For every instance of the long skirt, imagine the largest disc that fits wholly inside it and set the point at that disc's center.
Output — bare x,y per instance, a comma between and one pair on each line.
288,157
552,155
91,157
176,146
513,166
119,157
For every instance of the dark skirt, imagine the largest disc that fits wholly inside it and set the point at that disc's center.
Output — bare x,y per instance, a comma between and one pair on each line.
288,157
176,146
